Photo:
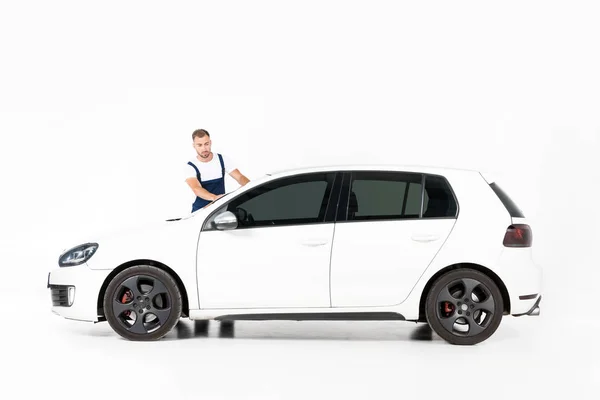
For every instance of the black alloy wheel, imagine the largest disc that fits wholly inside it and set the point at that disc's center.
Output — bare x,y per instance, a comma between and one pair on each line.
464,307
142,303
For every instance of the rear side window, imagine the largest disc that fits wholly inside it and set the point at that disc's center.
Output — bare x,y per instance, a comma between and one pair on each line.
438,199
379,195
510,205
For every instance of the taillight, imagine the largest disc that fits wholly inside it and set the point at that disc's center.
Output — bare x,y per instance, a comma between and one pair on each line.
518,235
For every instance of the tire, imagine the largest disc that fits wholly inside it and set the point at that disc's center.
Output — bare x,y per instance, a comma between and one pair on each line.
464,298
154,309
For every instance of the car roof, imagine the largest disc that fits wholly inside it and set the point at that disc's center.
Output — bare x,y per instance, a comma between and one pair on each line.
431,169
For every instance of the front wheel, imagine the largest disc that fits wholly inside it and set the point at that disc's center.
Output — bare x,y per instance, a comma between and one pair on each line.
464,307
142,303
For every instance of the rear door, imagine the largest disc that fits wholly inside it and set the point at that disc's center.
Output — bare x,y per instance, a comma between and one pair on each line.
390,227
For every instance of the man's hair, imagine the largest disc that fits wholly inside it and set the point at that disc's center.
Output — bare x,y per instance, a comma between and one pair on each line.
200,133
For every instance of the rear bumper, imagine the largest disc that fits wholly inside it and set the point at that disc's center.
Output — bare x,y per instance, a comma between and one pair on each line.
522,278
533,311
74,292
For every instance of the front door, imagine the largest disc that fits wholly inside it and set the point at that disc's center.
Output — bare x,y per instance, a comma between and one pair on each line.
278,256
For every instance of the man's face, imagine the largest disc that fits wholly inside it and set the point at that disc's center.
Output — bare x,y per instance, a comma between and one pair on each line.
202,146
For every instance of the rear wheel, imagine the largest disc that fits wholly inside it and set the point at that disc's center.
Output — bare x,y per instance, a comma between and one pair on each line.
464,307
142,303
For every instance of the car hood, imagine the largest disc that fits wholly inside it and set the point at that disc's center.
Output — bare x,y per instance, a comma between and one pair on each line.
152,240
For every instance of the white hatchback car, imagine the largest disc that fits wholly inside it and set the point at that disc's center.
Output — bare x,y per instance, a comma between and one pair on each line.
423,244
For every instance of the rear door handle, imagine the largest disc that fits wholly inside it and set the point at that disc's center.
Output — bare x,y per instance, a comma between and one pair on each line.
314,243
425,238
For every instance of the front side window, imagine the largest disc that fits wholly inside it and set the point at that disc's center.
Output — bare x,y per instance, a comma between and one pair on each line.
376,195
295,200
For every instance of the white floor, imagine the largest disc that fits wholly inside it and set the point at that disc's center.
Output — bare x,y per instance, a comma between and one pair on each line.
49,357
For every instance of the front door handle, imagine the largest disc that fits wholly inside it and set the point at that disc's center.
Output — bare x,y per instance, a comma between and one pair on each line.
425,238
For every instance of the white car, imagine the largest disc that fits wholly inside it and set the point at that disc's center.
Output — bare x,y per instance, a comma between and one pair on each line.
423,244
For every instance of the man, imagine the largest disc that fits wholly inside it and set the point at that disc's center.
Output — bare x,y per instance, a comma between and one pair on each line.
205,174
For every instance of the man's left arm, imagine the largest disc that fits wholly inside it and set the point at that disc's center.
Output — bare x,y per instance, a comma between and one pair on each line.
239,177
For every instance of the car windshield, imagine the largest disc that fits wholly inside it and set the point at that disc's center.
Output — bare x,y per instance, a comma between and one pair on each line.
212,202
259,180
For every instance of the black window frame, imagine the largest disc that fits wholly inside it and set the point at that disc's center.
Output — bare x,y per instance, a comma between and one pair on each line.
344,201
330,209
338,202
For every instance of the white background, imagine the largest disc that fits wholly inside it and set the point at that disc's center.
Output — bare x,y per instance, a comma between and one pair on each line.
97,105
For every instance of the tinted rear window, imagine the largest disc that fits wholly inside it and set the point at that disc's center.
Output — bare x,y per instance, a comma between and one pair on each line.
510,205
376,195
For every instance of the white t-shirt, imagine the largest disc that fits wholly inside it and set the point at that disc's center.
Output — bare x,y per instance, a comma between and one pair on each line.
208,170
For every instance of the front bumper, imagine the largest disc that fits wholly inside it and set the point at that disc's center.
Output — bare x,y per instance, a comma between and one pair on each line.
74,292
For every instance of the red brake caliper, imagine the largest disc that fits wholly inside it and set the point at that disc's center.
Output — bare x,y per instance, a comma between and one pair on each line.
448,308
126,297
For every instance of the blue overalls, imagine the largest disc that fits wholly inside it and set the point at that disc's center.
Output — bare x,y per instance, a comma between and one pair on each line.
215,186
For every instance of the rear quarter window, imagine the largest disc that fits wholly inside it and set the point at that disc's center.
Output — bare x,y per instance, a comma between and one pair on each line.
438,199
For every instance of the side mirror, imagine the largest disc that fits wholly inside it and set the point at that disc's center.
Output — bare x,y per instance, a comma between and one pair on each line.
225,221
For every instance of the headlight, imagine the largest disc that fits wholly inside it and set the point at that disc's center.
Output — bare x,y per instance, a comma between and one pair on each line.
77,255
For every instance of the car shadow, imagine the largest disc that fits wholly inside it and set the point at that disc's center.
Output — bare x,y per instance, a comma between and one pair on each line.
422,332
186,329
201,328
